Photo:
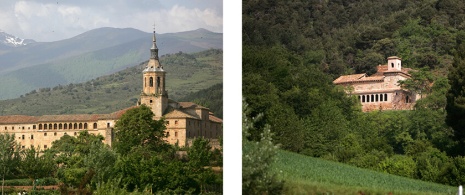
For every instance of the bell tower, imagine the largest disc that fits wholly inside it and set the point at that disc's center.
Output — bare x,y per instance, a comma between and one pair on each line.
394,63
153,93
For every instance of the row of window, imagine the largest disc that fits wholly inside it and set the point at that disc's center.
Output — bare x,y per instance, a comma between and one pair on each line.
65,126
373,98
45,147
59,126
13,127
45,134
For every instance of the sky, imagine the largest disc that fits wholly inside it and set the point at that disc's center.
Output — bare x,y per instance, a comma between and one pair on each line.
52,20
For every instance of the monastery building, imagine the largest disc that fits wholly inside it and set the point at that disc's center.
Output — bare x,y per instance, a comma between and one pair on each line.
184,120
381,90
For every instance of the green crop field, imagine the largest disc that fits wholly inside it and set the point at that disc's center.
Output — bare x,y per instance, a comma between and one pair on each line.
307,175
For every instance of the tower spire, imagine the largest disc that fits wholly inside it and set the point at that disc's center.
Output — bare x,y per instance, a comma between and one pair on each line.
154,49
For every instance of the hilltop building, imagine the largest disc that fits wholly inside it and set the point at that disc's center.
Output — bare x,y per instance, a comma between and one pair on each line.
184,120
381,90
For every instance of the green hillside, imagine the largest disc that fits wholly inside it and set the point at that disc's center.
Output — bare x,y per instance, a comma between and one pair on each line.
308,175
187,73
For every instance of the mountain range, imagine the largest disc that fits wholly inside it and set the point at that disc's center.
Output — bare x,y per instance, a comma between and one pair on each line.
89,55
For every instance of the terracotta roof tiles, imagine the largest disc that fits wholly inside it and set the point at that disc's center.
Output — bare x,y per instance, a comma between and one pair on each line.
18,119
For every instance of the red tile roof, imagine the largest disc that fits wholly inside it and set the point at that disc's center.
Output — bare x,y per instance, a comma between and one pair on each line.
18,119
175,113
215,119
190,105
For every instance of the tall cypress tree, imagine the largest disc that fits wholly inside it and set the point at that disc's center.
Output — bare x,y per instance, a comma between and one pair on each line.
456,96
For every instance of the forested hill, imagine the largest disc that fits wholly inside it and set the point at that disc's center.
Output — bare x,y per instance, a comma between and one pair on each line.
293,50
187,74
355,36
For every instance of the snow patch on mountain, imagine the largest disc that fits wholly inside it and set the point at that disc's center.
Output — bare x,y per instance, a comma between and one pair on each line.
13,41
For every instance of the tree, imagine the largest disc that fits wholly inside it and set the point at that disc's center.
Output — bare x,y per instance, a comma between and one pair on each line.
257,158
9,155
137,129
420,82
100,161
456,96
36,163
80,159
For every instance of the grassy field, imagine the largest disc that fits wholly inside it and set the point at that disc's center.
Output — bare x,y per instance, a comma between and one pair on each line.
307,175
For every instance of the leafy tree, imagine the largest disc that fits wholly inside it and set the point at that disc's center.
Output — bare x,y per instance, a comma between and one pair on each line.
36,163
420,82
257,158
9,155
199,153
398,165
437,99
456,96
100,161
137,129
79,158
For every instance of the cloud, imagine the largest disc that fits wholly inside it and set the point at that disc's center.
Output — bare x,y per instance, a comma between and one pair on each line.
54,20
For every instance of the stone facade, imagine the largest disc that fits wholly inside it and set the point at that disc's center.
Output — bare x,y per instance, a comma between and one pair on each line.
184,120
381,90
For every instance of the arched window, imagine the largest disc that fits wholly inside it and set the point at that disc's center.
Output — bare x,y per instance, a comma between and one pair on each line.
407,99
151,82
376,98
85,125
392,65
49,126
65,126
95,125
158,81
75,126
70,126
55,126
372,98
80,125
385,97
60,126
40,126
